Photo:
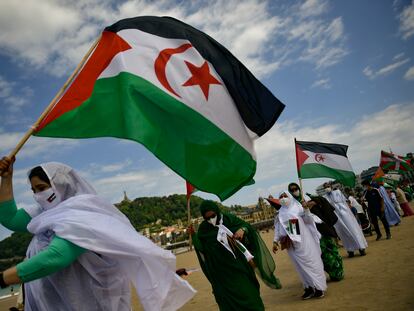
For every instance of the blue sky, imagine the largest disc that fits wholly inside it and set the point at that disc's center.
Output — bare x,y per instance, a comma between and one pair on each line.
344,69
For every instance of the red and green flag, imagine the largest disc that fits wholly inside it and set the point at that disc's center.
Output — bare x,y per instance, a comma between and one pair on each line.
378,174
392,162
190,189
316,159
177,91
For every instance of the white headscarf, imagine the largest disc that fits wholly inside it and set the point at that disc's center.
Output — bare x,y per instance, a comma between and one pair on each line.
99,279
293,210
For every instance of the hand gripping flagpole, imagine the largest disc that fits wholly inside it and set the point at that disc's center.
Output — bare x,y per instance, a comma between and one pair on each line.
69,81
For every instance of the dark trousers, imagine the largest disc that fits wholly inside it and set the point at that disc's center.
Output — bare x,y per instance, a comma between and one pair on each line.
374,214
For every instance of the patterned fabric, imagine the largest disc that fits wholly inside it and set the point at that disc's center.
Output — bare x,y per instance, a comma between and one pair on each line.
332,260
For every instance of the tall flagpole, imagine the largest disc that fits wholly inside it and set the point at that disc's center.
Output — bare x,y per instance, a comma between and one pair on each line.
33,128
297,167
190,241
189,190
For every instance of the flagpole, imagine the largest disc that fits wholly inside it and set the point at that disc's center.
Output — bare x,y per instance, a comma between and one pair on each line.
33,128
297,168
190,244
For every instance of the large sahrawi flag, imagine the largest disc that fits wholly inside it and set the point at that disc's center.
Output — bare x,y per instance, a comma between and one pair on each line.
186,98
315,159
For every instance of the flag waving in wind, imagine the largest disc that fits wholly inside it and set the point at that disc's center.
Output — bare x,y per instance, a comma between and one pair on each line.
315,159
392,162
177,91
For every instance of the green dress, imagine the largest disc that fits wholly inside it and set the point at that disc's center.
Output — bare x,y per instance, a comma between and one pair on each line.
233,280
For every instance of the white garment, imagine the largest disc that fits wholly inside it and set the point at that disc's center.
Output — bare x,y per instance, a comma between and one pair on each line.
354,203
347,226
117,255
223,235
305,253
396,204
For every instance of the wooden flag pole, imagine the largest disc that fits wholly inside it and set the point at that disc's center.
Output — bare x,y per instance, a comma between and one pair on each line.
53,102
190,241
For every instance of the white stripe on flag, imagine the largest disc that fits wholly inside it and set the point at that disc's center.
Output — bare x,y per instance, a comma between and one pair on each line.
220,108
334,161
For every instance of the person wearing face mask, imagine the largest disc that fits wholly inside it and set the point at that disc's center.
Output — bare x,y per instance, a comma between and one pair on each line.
84,253
226,264
319,206
295,231
347,227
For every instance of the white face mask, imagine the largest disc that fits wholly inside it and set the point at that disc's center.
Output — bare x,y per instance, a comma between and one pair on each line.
296,193
213,220
47,198
284,201
328,189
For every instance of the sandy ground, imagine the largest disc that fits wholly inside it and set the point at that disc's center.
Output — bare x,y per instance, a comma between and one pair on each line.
384,279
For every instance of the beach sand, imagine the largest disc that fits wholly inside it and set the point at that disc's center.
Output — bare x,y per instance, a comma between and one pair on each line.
384,279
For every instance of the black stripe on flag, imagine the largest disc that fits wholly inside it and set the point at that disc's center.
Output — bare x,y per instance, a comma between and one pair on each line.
318,147
257,106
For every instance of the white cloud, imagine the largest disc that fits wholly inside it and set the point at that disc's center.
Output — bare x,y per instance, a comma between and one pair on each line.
36,146
322,83
139,183
371,74
323,41
54,35
398,56
391,127
13,99
110,168
313,7
6,87
409,75
407,21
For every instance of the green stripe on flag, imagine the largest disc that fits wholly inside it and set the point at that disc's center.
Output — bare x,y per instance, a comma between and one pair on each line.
315,170
127,106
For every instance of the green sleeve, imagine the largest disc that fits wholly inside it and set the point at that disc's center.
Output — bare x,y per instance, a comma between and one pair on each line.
12,218
59,254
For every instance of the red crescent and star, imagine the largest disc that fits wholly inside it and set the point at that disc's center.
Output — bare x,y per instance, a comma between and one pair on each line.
200,75
319,157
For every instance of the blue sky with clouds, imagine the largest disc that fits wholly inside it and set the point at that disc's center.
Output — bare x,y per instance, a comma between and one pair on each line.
344,69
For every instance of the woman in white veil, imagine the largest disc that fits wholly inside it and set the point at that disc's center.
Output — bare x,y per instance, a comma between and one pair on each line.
295,230
84,253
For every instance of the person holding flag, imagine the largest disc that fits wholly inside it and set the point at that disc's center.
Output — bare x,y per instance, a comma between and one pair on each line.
319,206
295,230
230,251
76,260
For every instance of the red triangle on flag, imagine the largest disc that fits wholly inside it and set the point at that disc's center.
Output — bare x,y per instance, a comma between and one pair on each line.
190,189
300,157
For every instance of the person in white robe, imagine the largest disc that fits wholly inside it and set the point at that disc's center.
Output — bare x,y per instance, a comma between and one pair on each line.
347,227
296,231
116,256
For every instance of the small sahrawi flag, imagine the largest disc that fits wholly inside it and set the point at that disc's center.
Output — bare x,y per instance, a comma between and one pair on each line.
315,159
177,91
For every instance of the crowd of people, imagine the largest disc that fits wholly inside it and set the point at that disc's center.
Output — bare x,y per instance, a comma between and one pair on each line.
309,227
84,252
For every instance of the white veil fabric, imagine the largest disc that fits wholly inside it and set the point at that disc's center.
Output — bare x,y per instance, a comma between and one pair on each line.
116,255
305,253
293,211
